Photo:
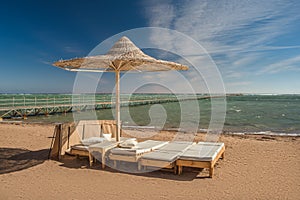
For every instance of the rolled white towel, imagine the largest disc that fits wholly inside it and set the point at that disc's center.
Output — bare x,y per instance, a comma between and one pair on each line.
129,144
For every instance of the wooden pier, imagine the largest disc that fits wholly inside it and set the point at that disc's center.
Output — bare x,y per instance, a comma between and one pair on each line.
21,108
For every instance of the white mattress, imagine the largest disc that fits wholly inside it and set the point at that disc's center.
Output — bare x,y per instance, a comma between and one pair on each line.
178,146
169,153
166,156
92,140
203,151
88,142
106,145
80,147
140,148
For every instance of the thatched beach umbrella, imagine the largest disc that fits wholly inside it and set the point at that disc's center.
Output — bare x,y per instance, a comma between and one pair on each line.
123,56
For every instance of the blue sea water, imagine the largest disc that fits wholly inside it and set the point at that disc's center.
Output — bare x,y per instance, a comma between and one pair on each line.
244,114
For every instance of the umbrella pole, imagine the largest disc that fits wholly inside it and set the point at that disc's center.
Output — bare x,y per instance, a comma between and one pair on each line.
118,105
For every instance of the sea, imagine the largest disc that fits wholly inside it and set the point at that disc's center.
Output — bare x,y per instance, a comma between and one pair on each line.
268,114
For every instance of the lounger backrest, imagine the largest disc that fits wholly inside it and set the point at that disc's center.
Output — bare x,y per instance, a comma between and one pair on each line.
169,152
68,134
203,151
110,126
176,146
89,130
209,149
150,144
95,128
140,148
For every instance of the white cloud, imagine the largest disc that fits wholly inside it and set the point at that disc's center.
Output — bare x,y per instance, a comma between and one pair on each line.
233,75
246,60
72,49
227,24
238,34
242,83
291,64
45,62
168,13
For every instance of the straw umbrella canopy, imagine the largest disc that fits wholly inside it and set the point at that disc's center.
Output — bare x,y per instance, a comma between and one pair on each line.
122,57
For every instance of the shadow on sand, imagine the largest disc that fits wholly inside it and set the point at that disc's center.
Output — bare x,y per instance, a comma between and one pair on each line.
15,159
131,168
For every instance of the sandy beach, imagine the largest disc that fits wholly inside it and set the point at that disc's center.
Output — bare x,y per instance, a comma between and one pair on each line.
255,167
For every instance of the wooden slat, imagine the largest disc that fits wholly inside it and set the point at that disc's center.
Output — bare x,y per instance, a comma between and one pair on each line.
157,163
220,154
200,164
124,158
79,152
191,163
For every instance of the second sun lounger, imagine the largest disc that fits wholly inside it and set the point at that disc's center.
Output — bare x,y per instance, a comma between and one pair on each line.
133,154
82,148
166,156
201,155
102,148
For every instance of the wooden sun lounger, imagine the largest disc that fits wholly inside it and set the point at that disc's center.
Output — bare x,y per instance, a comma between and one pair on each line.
166,156
201,155
79,150
134,154
82,148
103,148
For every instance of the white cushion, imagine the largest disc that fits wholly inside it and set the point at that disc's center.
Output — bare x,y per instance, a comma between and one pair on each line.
92,140
107,136
203,151
139,148
167,156
169,152
80,147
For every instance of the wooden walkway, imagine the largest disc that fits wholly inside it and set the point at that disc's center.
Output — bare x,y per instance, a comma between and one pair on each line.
13,110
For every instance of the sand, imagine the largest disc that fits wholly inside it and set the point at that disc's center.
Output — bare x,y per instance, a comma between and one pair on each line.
255,167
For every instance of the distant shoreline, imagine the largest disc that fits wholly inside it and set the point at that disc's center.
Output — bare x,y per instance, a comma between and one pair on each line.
106,93
151,128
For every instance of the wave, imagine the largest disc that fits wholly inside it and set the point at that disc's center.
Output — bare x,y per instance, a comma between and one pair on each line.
268,133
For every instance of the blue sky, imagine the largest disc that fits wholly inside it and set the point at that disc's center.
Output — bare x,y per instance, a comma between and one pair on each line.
254,44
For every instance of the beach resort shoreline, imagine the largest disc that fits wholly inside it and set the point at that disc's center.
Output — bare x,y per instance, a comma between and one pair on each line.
255,167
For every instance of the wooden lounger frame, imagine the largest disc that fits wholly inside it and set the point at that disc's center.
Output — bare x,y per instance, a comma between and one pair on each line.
200,164
158,163
77,152
103,152
64,138
93,160
126,158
